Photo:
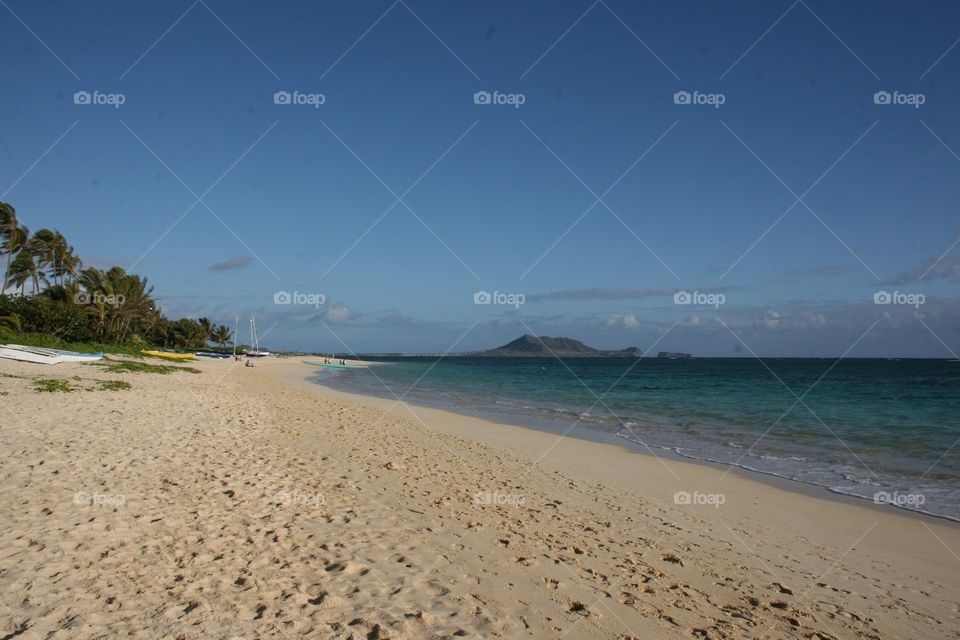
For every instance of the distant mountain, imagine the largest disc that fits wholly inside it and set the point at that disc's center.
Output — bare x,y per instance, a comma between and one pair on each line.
674,355
546,346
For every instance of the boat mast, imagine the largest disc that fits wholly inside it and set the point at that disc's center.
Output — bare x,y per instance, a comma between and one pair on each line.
253,335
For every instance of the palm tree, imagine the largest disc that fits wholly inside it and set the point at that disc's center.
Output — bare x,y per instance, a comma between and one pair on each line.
13,238
137,308
8,225
10,322
189,334
222,335
41,248
49,250
26,267
59,254
207,327
120,303
70,264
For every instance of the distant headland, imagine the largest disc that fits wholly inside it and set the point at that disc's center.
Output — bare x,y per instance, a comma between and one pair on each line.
529,345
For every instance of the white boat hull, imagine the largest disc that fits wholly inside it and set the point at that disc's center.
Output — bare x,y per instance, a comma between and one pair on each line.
65,356
35,357
80,357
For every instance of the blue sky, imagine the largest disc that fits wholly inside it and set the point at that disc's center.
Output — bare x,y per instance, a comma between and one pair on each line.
500,196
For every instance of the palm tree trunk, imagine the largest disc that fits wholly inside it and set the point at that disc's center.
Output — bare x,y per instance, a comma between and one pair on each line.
6,272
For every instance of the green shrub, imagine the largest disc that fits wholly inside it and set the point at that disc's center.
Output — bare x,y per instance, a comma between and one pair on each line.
52,385
40,314
122,366
113,385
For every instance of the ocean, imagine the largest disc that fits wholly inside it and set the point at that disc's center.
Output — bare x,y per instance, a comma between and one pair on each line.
877,429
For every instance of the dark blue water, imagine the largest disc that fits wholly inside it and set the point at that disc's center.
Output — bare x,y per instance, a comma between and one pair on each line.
874,429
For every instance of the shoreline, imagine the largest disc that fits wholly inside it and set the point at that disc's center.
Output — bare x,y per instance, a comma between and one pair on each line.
554,428
253,502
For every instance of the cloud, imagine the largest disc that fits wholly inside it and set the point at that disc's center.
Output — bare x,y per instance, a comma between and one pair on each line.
832,269
946,268
394,319
619,294
771,319
340,314
696,321
628,321
236,262
819,270
600,294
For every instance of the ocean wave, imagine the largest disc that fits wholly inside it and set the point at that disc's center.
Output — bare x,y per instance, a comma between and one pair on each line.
947,498
861,480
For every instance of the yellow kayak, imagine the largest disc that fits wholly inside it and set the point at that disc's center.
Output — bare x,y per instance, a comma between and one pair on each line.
167,354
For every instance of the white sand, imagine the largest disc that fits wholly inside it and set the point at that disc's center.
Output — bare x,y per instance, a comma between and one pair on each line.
249,503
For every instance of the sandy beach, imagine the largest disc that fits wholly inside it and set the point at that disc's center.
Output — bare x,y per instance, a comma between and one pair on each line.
252,503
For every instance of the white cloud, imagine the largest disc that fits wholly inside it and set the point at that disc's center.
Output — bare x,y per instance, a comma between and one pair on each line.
628,321
340,314
771,319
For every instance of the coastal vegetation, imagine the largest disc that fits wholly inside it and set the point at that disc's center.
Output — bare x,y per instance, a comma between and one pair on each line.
52,385
135,366
59,385
49,299
113,385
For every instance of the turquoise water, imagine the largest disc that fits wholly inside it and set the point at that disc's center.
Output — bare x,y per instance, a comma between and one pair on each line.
870,428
